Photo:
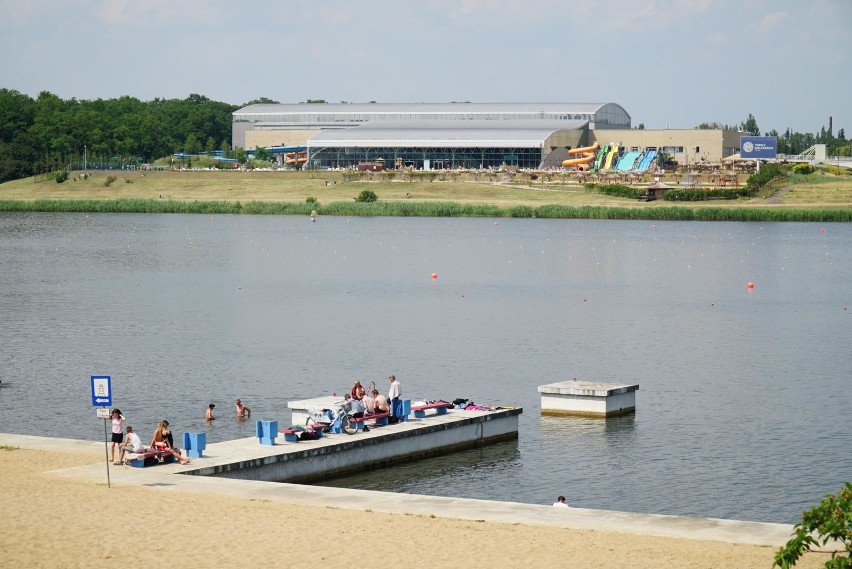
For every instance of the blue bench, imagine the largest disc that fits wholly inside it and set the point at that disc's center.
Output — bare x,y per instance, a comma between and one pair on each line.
440,408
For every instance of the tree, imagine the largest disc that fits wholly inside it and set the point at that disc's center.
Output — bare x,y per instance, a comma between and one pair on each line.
314,101
191,146
750,125
210,146
831,521
262,154
225,148
262,101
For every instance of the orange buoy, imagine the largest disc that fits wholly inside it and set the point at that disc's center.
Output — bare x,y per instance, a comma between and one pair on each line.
434,276
750,284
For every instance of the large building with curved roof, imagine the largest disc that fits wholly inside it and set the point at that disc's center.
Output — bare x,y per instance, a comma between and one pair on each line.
425,135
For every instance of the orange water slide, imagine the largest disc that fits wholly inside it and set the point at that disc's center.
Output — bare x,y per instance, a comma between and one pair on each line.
587,155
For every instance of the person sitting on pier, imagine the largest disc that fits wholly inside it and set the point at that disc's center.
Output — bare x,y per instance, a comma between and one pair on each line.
354,407
358,390
133,444
160,442
369,403
380,403
560,502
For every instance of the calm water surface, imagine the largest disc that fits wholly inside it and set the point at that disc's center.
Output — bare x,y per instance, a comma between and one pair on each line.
743,408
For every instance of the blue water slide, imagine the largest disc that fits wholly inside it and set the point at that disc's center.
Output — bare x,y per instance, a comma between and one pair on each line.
646,161
625,164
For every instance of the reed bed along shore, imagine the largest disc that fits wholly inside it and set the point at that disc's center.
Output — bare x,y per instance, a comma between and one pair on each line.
432,209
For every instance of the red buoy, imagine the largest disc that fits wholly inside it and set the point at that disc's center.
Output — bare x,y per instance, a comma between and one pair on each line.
750,284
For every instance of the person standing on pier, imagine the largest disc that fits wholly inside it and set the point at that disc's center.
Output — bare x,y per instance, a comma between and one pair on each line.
394,395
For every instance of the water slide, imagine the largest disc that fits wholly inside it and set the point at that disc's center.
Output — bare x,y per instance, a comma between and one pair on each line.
646,161
296,157
613,150
600,159
627,161
587,155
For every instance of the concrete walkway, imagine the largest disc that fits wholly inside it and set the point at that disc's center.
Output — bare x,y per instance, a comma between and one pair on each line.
168,478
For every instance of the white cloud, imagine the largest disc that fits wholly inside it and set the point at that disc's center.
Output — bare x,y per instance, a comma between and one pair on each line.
769,24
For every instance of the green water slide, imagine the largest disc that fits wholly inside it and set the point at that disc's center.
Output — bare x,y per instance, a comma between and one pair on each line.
601,155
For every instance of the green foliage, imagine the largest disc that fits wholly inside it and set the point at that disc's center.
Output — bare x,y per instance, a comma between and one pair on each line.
678,195
61,176
828,521
262,154
617,190
750,125
768,173
353,175
311,200
803,168
109,180
366,196
408,208
388,175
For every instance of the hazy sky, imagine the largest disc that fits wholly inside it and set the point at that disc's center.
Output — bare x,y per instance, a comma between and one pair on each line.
675,62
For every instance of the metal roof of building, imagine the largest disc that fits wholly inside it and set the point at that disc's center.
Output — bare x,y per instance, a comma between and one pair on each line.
367,108
452,134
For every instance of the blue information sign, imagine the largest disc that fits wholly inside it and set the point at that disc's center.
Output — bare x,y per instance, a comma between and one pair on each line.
101,391
758,147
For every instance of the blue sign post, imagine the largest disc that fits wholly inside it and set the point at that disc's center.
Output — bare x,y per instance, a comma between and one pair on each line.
101,391
102,397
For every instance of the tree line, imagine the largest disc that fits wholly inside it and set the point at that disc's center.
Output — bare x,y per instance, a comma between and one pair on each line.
792,142
47,133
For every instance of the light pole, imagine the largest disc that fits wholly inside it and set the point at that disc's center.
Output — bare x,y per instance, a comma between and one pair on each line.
85,162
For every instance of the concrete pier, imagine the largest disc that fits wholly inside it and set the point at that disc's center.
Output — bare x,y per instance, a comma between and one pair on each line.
588,398
336,454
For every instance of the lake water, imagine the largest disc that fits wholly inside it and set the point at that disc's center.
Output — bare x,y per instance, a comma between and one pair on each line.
743,407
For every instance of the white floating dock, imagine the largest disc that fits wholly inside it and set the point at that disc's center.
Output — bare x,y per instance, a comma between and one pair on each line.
589,398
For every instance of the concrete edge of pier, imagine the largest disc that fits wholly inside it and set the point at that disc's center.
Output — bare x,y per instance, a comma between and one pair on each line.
168,478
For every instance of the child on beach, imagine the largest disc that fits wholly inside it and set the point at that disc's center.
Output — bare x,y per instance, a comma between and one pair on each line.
117,434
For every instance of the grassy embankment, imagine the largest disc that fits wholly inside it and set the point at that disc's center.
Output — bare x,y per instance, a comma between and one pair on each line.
812,198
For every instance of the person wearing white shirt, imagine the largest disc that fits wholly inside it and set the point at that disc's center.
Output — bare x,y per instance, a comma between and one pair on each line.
133,444
560,502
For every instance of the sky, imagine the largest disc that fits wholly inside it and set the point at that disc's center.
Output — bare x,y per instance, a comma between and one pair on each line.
674,63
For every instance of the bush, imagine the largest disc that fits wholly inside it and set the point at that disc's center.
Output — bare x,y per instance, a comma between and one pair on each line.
311,200
367,196
109,180
699,195
803,168
617,190
767,174
61,176
828,521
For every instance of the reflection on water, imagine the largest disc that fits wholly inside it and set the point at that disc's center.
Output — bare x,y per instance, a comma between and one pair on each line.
611,431
738,413
457,474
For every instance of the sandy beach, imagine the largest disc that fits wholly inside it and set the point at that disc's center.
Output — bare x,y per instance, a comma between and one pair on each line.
54,521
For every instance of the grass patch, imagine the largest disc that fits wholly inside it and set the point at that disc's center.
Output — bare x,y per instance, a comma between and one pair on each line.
7,447
433,209
821,197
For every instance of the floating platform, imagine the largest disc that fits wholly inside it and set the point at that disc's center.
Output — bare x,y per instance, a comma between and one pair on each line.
588,398
337,454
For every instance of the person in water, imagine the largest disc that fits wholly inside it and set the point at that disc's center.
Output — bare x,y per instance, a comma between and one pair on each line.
243,412
209,414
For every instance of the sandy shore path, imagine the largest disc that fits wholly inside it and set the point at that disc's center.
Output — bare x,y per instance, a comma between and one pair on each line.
51,520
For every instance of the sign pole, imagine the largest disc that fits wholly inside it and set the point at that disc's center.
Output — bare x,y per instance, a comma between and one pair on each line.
106,452
102,400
